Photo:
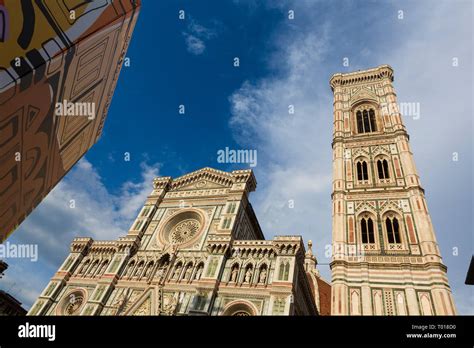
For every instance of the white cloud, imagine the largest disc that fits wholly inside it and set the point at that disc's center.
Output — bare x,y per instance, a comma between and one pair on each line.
294,149
196,35
97,213
194,45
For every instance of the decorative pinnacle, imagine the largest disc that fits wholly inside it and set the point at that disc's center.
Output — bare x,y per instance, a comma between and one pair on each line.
310,259
309,252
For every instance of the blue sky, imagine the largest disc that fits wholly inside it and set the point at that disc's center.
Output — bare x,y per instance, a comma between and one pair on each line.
282,62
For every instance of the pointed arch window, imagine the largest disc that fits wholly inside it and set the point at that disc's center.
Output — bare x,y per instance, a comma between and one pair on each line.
365,113
367,230
281,270
362,171
199,269
92,269
284,271
139,268
393,230
131,266
103,267
360,125
287,271
373,124
84,267
366,121
382,169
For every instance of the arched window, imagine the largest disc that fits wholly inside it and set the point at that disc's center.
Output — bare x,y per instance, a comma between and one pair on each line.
139,269
393,229
164,261
189,271
287,271
284,271
365,113
93,267
198,273
366,122
385,168
362,172
281,271
360,125
382,169
177,271
373,126
84,267
367,230
149,267
103,267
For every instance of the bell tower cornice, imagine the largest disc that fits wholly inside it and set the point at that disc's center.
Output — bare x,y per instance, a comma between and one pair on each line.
361,76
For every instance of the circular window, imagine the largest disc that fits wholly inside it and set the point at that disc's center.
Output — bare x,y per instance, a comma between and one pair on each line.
241,314
184,231
72,303
183,228
73,307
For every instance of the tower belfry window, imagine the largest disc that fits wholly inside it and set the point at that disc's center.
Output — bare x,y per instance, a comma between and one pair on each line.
362,172
367,230
393,230
382,169
366,122
373,127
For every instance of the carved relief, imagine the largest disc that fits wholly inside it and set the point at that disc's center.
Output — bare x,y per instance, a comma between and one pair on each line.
144,308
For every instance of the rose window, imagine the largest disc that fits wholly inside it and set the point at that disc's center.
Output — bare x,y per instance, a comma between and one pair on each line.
72,304
184,231
73,307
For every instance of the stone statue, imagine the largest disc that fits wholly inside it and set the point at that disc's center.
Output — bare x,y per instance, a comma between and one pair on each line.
233,276
248,275
188,272
198,273
263,276
160,272
148,270
176,272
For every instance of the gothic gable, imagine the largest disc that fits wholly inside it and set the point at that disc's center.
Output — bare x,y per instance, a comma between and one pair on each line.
201,185
363,94
205,178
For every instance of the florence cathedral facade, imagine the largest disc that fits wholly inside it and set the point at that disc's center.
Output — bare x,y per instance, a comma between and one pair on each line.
196,247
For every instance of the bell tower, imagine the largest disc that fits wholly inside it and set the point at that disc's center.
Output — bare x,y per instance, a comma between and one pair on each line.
386,260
